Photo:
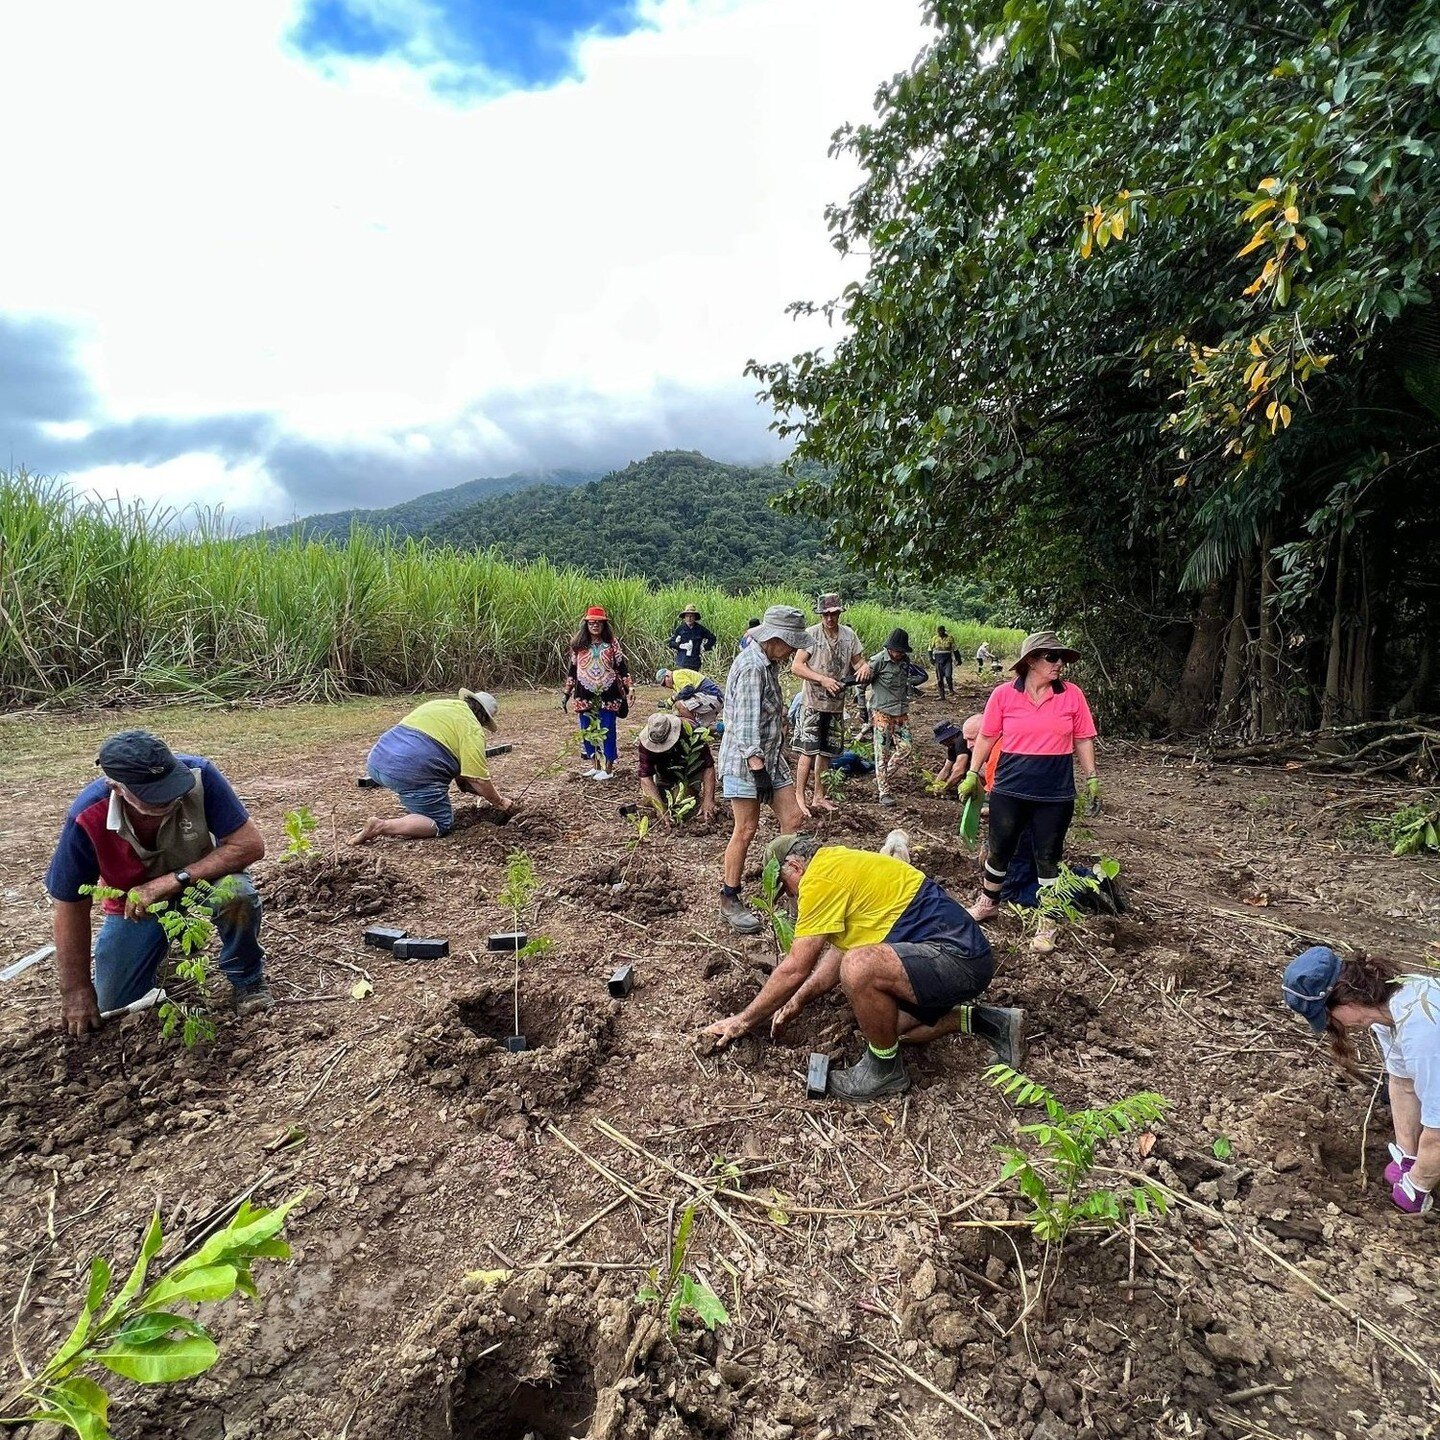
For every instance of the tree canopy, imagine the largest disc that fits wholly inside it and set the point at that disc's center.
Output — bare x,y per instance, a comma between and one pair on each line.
1147,339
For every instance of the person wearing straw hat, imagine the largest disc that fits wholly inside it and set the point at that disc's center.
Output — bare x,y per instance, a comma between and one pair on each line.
1339,997
690,639
909,957
438,744
891,682
752,764
1044,727
671,753
153,826
831,655
600,688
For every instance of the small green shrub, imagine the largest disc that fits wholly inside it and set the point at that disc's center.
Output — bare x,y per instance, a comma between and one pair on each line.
1055,1175
138,1335
769,903
677,1292
1411,830
300,825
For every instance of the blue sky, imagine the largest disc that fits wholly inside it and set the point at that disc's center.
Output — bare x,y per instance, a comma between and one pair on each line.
527,44
376,247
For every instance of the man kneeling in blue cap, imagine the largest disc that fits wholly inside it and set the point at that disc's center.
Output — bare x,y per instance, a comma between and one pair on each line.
1338,996
156,825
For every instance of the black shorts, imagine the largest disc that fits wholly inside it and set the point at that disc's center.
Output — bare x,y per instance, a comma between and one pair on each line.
943,974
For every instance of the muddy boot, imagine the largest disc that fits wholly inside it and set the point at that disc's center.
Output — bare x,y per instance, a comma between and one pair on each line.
871,1078
250,999
1003,1026
738,915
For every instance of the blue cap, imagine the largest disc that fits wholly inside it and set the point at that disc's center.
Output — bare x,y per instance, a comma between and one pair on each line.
1309,979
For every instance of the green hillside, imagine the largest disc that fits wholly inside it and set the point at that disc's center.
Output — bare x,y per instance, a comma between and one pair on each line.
419,516
679,516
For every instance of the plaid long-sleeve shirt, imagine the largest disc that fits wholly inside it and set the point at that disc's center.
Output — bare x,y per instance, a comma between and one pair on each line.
754,716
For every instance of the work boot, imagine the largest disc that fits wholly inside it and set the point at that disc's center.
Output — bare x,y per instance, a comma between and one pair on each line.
871,1078
250,999
738,915
1004,1027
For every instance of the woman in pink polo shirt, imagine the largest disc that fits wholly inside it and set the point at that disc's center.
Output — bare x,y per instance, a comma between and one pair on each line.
1043,727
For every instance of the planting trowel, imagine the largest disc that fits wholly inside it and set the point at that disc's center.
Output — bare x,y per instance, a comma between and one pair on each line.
148,1001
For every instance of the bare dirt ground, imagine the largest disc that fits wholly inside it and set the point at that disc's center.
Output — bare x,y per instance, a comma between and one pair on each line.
878,1280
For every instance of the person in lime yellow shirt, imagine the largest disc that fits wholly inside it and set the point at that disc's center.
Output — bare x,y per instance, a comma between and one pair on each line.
439,743
698,698
908,956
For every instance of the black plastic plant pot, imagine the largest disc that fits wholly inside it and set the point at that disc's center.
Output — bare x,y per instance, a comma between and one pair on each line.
817,1078
621,982
508,940
420,949
503,748
383,937
628,810
366,783
515,1044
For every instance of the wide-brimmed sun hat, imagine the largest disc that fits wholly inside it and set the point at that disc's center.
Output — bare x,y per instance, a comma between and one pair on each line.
486,702
899,640
781,622
596,612
690,610
1044,640
829,605
660,733
144,764
1309,979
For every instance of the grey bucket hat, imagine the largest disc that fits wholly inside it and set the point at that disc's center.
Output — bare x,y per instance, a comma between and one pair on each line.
781,622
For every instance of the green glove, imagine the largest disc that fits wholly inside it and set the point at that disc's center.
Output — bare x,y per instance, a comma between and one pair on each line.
971,786
970,820
1092,795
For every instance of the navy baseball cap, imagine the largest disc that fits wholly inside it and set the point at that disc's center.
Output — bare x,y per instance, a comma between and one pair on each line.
1309,979
144,765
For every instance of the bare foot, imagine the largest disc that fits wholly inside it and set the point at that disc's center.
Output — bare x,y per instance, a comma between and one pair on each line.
369,832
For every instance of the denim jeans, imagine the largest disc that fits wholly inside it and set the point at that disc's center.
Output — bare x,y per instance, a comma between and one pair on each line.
128,952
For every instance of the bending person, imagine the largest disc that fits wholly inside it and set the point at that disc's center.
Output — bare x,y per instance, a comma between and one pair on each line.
909,957
438,744
672,754
1044,727
1403,1011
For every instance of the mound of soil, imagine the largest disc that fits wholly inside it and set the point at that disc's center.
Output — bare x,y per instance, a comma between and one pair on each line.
329,888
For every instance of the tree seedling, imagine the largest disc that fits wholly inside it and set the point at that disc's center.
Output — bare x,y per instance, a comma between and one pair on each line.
621,981
300,825
383,937
769,903
1056,1177
137,1335
817,1077
412,948
518,894
676,1292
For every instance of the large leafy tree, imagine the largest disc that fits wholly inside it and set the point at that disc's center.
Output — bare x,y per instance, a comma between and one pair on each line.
1146,339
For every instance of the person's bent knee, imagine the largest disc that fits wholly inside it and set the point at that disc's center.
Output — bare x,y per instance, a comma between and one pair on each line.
859,966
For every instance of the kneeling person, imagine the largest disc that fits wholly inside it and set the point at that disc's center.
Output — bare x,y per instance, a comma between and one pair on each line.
438,743
908,956
673,753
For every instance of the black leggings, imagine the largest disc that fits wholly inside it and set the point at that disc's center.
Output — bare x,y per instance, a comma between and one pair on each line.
1048,822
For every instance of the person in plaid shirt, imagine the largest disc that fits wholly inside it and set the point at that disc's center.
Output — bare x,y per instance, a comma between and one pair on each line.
752,766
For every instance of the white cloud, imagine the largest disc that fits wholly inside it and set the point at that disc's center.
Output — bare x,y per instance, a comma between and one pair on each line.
235,230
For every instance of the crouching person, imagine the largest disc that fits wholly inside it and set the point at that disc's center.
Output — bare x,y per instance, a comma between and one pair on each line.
439,743
909,957
155,826
671,754
1402,1011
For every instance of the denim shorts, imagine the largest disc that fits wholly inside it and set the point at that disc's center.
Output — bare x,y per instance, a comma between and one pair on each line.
739,787
431,800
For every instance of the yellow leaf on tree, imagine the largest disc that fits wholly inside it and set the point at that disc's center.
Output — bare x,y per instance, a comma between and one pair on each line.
1117,224
1259,208
1256,241
1270,410
1292,214
1268,184
1284,414
1301,242
1257,376
1255,350
1181,481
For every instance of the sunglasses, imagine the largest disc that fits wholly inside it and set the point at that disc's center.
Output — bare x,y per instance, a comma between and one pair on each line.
1055,657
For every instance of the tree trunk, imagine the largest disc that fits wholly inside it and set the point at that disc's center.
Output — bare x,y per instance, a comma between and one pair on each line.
1237,646
1332,707
1269,696
1195,692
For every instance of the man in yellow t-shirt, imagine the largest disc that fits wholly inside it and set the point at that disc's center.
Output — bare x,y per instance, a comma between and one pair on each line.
908,956
439,743
698,698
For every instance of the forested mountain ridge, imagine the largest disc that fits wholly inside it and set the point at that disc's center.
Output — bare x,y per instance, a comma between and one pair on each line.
418,516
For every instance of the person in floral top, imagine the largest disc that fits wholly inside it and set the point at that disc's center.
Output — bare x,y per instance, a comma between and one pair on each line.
599,686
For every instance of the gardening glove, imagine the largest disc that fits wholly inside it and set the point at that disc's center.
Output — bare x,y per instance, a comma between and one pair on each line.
971,787
764,785
1092,796
1409,1197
